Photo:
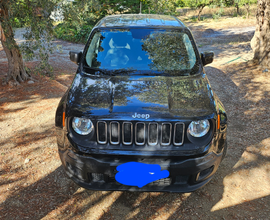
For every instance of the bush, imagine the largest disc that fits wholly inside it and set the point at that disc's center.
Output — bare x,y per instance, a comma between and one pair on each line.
217,15
180,3
72,33
19,22
80,16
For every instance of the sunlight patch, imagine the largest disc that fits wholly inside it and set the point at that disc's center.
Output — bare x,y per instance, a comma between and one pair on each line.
250,178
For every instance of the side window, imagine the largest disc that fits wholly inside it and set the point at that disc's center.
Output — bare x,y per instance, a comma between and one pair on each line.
93,50
190,51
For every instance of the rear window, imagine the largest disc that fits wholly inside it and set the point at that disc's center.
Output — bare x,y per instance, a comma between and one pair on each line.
142,50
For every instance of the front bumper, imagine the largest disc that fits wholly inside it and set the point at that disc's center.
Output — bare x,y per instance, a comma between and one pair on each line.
97,173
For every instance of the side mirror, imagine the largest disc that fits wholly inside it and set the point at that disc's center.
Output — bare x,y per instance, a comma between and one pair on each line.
207,57
75,56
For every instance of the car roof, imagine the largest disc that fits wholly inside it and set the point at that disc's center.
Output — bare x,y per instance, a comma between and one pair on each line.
140,20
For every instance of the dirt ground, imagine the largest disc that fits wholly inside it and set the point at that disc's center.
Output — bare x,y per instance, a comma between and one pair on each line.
34,186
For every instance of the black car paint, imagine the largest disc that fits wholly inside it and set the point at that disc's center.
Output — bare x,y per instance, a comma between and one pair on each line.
159,96
164,98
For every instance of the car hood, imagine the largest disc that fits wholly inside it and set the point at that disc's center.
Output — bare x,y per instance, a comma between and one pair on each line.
129,97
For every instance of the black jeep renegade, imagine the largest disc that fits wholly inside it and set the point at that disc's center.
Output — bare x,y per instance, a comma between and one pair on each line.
141,97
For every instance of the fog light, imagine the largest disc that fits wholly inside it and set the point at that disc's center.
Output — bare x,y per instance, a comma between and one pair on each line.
97,177
205,173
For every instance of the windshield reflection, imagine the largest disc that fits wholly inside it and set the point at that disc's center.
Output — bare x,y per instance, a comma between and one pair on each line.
137,51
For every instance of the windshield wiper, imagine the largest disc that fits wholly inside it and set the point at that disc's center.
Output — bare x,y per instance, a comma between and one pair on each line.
121,71
96,71
104,72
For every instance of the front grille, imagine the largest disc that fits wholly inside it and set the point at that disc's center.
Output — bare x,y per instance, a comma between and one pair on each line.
162,182
140,133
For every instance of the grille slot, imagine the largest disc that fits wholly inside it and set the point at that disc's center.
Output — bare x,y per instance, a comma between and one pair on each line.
153,133
178,137
101,132
140,133
114,132
166,133
127,133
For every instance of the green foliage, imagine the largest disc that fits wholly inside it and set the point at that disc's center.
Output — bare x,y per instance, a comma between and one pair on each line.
121,6
81,15
217,15
197,3
79,18
246,4
72,32
243,2
193,19
217,3
180,3
235,14
164,49
18,23
228,3
163,6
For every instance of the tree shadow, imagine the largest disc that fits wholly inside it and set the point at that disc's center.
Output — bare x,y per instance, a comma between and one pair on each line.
257,208
56,197
42,88
26,136
223,37
40,198
207,202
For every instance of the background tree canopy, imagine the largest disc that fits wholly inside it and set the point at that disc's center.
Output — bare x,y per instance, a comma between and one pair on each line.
79,16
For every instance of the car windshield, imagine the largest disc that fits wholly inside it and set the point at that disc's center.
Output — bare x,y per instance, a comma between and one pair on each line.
144,51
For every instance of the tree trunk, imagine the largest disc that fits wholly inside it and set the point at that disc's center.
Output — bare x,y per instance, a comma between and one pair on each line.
200,11
260,42
16,68
247,6
237,9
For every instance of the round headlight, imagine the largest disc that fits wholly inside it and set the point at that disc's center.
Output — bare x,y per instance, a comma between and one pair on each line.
199,128
82,126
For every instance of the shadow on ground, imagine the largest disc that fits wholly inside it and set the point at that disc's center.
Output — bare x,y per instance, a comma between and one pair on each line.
231,194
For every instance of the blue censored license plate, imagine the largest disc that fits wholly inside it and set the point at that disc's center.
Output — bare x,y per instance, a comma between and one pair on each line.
139,174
